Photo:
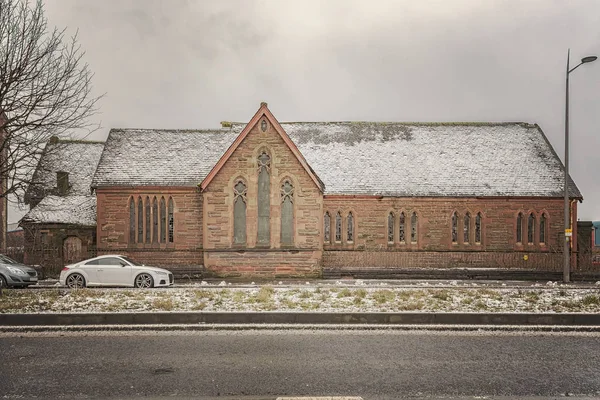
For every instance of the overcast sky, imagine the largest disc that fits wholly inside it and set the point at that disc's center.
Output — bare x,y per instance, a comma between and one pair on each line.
191,64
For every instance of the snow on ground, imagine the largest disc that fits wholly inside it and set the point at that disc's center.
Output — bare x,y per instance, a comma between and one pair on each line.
310,298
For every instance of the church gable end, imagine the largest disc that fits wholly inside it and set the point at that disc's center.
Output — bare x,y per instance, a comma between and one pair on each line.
262,196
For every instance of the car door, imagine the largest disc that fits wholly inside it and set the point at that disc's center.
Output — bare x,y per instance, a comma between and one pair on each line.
114,271
91,271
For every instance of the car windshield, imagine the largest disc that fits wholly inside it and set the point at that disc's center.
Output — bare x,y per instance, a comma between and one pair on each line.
7,260
130,261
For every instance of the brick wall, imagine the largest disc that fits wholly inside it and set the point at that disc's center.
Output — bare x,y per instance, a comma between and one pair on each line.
303,257
434,247
184,254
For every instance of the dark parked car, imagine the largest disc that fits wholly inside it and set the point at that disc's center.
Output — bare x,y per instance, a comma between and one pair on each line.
15,274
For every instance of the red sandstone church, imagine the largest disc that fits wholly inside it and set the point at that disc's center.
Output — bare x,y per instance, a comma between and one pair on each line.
331,198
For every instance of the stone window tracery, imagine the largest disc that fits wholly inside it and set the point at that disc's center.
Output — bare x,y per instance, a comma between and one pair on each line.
467,228
414,219
401,231
154,220
478,228
543,228
327,228
147,220
239,212
140,222
131,220
391,229
531,228
454,227
350,228
163,221
520,228
264,199
171,221
338,227
287,214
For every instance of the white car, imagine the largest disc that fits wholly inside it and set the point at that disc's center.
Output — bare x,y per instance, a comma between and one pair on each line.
113,270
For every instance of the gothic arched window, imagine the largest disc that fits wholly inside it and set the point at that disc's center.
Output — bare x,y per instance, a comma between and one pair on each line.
520,228
467,228
413,227
239,213
163,221
140,225
454,227
131,220
338,227
543,228
478,228
171,221
154,220
350,228
264,199
401,231
327,228
531,228
287,214
148,220
391,227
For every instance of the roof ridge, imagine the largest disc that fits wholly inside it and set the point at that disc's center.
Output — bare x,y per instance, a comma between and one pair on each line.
78,141
169,130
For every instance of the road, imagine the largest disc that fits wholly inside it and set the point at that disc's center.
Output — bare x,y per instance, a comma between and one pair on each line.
371,364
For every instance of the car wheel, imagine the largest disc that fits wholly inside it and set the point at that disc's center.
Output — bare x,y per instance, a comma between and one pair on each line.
144,281
75,281
3,282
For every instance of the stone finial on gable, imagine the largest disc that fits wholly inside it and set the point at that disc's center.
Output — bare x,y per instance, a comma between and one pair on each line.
263,104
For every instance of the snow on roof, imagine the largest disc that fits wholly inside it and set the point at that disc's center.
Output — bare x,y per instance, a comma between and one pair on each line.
76,157
75,210
362,158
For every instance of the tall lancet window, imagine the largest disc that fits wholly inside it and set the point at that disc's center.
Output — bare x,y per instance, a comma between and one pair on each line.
455,227
390,228
287,214
350,226
148,226
239,213
414,226
163,221
140,222
131,220
264,199
543,228
338,227
467,228
401,231
154,220
327,228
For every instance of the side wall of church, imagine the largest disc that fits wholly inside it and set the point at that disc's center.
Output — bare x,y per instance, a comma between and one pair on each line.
497,244
179,248
222,255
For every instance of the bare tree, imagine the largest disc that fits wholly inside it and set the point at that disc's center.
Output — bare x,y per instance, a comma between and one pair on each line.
45,90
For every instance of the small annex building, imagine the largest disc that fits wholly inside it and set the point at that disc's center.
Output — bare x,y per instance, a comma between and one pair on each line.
300,199
60,227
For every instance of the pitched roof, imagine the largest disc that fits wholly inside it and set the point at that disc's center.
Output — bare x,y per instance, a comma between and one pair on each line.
75,210
357,158
263,111
77,157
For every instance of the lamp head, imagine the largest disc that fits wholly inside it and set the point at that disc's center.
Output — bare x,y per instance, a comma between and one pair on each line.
588,59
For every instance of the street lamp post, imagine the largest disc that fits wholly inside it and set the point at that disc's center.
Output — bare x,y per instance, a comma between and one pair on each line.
568,231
